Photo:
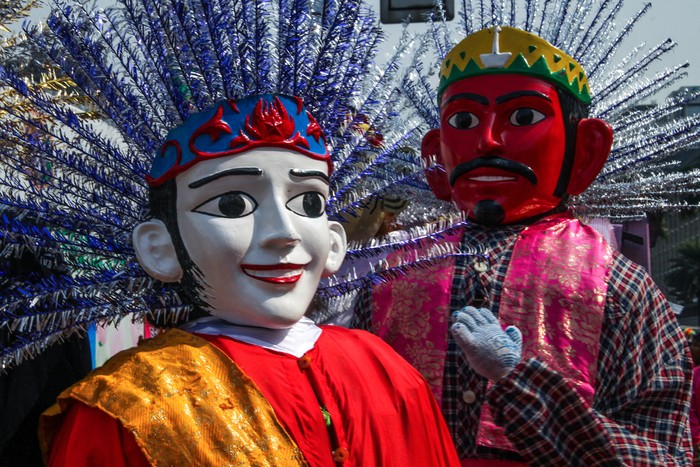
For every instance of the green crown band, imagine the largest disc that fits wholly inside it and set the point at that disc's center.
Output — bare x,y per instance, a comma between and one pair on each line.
510,50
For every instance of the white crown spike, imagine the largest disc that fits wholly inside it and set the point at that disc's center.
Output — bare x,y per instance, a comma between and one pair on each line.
495,59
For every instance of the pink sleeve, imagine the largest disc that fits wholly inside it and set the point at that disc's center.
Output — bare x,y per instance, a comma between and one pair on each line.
695,407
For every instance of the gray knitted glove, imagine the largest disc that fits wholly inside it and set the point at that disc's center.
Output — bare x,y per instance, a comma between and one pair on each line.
491,351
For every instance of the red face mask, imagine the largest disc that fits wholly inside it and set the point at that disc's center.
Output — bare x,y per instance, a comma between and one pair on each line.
502,144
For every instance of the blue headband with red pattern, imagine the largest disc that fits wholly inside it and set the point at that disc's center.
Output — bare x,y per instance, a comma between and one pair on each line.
235,126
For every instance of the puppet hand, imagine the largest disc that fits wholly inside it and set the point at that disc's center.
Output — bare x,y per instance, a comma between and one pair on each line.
491,351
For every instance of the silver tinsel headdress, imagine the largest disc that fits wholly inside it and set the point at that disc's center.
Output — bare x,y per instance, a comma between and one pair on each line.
641,175
146,66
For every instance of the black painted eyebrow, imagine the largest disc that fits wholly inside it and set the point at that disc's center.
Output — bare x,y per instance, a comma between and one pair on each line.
226,173
523,93
309,173
469,96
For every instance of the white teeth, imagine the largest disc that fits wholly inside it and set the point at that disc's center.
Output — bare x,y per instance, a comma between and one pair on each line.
274,272
491,178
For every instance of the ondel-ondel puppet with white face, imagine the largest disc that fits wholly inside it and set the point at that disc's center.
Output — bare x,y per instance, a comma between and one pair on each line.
238,197
238,205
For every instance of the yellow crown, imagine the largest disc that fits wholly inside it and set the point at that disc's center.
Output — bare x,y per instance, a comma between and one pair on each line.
509,50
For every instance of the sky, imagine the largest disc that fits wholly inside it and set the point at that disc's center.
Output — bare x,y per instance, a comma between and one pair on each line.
675,19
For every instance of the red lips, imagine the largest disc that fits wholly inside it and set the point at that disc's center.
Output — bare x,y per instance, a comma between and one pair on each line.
283,273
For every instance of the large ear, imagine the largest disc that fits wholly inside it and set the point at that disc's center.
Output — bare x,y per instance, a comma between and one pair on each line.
594,139
432,159
155,251
339,246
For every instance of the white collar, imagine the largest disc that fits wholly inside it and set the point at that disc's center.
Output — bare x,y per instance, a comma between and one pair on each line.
296,340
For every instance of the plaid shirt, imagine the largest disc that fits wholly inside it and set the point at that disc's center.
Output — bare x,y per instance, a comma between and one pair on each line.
640,409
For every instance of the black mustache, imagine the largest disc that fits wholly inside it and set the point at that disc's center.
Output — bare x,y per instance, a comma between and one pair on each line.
496,163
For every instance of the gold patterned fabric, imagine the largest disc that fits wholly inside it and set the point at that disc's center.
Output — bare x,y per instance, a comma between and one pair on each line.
186,403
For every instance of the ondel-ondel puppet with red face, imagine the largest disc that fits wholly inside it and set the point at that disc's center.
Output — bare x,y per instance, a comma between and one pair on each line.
514,139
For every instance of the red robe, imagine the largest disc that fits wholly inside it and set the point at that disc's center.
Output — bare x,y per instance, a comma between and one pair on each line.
382,410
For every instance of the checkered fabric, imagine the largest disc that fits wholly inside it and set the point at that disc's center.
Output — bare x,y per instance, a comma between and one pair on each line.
640,410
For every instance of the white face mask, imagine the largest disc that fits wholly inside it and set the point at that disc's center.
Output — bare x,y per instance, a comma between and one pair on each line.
255,226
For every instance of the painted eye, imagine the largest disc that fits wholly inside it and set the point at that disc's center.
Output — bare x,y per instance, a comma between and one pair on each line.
526,116
232,205
309,204
463,120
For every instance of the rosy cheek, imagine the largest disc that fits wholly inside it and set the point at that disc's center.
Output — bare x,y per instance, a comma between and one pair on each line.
458,147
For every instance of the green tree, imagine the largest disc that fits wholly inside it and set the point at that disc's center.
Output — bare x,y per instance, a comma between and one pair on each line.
683,277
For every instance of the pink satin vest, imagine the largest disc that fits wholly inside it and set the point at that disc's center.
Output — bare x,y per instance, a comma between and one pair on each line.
554,292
